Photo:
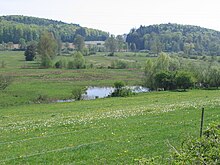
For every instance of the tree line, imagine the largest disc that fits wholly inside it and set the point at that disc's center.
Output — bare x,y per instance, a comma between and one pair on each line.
182,39
15,28
168,72
175,38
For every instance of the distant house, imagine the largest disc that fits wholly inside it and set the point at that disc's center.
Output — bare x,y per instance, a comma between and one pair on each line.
94,43
16,46
88,44
68,45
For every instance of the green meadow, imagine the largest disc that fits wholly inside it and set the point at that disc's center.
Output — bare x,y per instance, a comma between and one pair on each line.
29,82
101,131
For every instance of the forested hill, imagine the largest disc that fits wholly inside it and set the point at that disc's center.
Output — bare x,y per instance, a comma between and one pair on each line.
33,20
175,38
14,28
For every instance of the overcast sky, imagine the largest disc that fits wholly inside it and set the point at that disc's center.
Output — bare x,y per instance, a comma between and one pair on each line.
119,16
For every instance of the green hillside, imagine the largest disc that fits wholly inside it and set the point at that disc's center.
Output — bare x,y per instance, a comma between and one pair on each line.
13,28
175,38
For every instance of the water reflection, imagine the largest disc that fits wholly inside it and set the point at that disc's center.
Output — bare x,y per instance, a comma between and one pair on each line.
97,92
102,92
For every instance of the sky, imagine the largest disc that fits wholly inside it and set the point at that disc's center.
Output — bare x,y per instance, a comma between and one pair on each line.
119,16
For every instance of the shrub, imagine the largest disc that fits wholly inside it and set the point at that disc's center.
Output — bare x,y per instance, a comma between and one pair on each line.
78,92
46,63
203,150
111,54
165,80
184,80
41,99
119,64
60,64
30,52
121,90
85,51
78,61
119,84
71,65
5,81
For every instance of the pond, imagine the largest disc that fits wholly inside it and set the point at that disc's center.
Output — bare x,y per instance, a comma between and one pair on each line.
97,92
102,92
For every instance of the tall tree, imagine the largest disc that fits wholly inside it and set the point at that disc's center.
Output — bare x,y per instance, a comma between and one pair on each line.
133,47
111,44
214,77
155,44
162,62
47,48
149,74
120,42
22,43
79,43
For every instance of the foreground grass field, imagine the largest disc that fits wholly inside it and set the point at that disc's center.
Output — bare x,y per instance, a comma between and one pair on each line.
103,131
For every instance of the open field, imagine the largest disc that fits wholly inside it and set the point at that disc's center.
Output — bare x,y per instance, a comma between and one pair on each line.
29,82
102,131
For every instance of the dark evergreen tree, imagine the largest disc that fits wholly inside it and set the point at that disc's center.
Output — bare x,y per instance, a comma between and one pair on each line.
30,52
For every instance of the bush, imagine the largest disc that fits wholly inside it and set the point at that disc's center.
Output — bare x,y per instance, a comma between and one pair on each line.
121,90
85,51
78,92
71,65
165,80
30,52
119,64
41,99
5,81
111,54
119,84
78,61
203,150
60,64
184,80
46,63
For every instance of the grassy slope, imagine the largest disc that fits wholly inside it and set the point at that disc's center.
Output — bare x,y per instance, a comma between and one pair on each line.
114,130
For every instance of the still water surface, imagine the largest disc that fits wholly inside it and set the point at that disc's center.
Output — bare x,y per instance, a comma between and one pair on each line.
102,92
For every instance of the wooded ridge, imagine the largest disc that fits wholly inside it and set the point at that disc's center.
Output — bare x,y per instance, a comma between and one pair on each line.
14,27
175,38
